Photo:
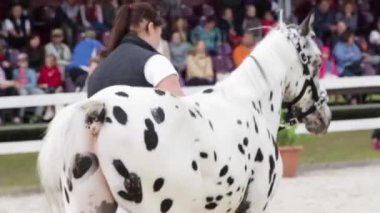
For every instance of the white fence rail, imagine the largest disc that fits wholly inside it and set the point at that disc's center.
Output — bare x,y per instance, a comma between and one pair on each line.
338,85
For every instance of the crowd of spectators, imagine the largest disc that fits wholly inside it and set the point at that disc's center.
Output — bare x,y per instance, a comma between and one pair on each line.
201,40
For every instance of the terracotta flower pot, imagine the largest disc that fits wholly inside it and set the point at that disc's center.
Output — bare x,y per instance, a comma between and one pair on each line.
290,157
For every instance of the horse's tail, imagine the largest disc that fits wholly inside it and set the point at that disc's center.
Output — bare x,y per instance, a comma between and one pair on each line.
67,133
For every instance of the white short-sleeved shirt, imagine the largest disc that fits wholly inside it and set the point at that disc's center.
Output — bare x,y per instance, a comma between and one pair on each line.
8,25
158,68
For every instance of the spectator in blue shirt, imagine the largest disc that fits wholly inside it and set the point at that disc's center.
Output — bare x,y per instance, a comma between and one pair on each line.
324,23
348,55
208,33
84,51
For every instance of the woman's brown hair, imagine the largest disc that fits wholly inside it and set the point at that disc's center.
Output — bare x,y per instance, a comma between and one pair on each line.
128,16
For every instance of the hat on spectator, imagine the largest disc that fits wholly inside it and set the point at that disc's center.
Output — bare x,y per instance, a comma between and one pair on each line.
57,32
22,57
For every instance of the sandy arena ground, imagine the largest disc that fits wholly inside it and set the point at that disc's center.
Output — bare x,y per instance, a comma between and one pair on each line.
347,190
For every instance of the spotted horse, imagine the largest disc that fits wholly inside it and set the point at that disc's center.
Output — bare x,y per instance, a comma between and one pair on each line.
144,150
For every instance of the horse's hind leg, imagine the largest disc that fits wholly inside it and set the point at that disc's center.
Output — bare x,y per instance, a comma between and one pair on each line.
84,188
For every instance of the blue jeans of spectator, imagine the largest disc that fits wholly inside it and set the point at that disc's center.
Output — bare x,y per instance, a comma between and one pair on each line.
33,91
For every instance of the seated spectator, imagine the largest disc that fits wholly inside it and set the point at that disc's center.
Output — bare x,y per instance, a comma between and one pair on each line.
199,66
209,33
244,49
182,27
348,15
341,27
226,26
17,27
324,23
376,139
328,68
59,49
35,52
267,22
8,88
67,15
348,55
50,81
26,84
374,38
86,49
252,21
109,12
179,50
91,14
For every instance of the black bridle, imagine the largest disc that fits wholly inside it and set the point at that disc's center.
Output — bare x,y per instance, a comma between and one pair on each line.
292,118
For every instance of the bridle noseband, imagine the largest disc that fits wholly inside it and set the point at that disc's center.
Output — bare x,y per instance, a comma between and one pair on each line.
319,98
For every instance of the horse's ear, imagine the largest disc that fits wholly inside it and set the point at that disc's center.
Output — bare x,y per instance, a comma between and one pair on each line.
281,22
307,25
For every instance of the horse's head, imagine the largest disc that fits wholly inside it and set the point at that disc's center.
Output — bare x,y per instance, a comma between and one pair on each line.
303,96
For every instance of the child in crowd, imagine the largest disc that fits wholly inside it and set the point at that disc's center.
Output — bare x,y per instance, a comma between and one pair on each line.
50,75
199,66
35,52
252,21
178,50
8,88
267,22
26,84
328,68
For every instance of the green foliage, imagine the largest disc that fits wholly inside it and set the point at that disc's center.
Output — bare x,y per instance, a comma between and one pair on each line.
288,137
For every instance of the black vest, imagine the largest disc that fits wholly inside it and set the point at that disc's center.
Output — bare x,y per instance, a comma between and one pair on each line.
124,66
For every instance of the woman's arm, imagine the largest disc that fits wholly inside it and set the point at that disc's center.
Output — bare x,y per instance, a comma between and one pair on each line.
170,84
83,16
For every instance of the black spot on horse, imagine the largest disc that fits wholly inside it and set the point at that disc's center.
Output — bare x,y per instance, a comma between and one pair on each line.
275,147
120,168
159,92
122,94
158,115
158,183
211,206
105,207
203,154
176,106
230,180
259,156
244,204
208,91
239,122
215,156
197,104
223,171
84,163
69,184
150,135
229,193
271,107
199,113
192,114
247,124
271,186
120,115
219,197
261,109
67,196
108,120
211,126
194,165
271,95
245,141
271,167
166,205
241,149
209,199
256,127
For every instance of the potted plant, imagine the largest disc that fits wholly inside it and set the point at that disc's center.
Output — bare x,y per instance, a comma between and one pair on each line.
289,148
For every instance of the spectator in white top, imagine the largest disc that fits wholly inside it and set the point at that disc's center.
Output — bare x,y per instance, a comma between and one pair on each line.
374,37
59,49
17,27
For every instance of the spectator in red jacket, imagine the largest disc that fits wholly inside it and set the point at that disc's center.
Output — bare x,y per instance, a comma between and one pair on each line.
267,22
50,76
328,68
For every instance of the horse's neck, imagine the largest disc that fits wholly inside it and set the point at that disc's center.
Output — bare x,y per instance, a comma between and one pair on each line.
247,83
